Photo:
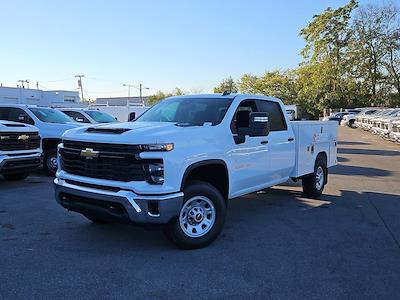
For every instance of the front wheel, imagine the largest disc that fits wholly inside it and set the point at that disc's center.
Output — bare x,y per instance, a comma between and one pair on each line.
313,184
15,176
201,217
50,163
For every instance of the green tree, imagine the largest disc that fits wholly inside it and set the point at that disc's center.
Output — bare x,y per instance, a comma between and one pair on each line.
227,85
157,97
325,78
280,84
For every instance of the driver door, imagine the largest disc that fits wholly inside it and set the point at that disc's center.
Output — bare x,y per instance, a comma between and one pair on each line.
249,160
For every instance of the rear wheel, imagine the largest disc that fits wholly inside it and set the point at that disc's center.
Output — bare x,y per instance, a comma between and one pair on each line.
313,184
50,163
201,217
351,123
15,176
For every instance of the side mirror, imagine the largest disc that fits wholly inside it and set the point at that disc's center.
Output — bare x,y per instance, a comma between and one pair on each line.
132,117
259,124
23,119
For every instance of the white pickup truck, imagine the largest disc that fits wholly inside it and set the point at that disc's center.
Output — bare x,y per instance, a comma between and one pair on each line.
50,122
20,151
181,162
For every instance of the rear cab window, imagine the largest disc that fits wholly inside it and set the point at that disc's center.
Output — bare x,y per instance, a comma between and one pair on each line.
276,117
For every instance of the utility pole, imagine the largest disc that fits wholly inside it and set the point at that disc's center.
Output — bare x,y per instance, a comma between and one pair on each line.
80,84
140,92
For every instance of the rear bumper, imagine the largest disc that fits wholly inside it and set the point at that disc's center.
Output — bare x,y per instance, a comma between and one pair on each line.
20,163
122,205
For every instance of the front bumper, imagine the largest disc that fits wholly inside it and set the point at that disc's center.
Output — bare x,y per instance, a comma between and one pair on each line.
20,163
121,205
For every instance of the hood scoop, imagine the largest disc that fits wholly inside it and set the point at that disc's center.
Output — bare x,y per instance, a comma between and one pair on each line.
14,125
107,130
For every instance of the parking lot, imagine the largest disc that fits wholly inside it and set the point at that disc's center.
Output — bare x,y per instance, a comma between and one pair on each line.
275,244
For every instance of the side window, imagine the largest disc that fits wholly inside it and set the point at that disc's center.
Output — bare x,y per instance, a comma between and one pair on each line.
277,120
4,113
18,115
241,119
77,116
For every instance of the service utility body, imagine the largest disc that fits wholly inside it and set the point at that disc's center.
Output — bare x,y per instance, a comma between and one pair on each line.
180,163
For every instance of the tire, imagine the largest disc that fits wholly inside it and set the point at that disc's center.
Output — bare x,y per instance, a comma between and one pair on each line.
205,208
313,184
15,176
50,164
351,123
96,220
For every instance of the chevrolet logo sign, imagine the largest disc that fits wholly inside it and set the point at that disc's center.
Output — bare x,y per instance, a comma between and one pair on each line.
89,153
23,137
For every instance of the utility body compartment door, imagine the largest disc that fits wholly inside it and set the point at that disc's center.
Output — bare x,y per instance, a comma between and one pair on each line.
313,137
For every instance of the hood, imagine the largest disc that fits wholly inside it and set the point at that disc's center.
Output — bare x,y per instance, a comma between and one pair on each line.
9,126
134,132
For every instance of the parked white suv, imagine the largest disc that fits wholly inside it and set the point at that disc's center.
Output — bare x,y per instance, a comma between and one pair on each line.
20,151
50,122
181,161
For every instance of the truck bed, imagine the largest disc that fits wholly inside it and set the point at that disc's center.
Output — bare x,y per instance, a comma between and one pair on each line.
313,137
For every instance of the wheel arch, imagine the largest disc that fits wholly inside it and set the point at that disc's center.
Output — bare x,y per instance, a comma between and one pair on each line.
213,171
50,144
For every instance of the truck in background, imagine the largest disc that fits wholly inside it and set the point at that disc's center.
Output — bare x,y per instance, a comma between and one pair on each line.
50,122
20,151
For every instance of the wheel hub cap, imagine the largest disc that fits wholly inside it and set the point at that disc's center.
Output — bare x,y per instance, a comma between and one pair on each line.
197,216
319,178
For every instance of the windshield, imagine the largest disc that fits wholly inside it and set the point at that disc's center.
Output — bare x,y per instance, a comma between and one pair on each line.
190,111
49,115
100,117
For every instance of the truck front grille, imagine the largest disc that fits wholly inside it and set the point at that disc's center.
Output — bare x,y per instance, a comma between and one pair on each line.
10,141
110,161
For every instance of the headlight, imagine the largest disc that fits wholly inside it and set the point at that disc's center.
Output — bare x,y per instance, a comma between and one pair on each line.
158,147
156,172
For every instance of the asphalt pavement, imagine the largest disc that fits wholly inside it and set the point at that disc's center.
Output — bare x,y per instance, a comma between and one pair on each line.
276,244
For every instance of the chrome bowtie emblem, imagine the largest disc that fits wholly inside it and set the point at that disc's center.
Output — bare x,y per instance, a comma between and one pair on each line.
89,153
23,137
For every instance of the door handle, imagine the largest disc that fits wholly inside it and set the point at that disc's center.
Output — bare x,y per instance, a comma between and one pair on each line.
290,139
264,142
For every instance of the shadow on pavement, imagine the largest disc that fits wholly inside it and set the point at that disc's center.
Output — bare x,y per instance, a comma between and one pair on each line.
352,143
369,152
360,171
342,159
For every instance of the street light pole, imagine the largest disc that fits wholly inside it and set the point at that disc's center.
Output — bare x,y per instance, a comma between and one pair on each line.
129,89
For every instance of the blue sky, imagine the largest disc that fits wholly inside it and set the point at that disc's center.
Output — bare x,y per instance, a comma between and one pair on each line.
162,44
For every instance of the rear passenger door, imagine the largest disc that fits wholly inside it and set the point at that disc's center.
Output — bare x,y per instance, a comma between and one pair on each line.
281,143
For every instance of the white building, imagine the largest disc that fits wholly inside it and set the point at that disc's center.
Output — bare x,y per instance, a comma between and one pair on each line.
11,95
122,101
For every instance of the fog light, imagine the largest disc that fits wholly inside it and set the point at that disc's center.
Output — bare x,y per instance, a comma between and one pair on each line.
156,172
